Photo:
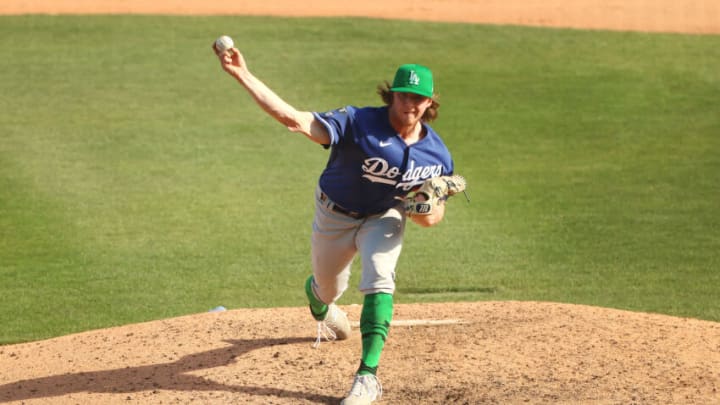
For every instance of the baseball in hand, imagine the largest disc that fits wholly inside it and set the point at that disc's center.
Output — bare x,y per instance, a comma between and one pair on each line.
224,43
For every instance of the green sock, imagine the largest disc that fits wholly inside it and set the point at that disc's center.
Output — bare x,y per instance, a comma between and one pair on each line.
317,307
375,321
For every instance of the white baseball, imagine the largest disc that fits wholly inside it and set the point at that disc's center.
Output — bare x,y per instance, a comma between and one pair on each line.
224,43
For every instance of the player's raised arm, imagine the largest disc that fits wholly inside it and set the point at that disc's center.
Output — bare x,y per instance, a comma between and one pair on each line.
304,122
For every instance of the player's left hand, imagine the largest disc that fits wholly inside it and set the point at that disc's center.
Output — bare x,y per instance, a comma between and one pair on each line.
432,192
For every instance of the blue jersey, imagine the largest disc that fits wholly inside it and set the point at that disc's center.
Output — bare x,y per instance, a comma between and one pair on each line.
370,165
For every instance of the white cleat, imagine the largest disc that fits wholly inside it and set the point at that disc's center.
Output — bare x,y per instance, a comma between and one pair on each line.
365,390
335,326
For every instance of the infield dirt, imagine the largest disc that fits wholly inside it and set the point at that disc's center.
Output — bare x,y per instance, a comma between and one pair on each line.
485,352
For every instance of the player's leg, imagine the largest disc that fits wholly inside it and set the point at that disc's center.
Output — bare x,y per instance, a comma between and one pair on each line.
333,249
380,243
375,322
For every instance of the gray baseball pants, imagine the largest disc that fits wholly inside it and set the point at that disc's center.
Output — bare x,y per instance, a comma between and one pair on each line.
338,238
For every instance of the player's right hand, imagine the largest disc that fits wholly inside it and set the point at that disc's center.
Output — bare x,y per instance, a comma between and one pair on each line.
231,61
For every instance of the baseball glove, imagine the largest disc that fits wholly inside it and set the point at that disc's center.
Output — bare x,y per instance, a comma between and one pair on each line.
431,192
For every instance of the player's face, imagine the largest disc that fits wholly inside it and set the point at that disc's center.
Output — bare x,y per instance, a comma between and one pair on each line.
408,108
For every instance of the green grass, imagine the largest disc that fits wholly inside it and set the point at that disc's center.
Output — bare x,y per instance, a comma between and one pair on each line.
138,181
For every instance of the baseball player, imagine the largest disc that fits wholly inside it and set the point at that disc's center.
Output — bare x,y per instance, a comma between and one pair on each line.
386,164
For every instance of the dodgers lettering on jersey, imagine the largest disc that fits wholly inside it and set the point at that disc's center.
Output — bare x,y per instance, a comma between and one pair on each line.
370,164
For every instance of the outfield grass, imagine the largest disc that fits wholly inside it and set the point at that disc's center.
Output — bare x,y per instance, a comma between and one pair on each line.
138,181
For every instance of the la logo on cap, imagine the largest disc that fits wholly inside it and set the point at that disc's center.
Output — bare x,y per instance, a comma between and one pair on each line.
414,79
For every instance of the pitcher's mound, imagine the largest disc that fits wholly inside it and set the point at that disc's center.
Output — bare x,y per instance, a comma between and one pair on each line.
460,353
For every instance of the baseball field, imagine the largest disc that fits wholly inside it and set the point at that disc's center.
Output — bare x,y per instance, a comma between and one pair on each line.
140,187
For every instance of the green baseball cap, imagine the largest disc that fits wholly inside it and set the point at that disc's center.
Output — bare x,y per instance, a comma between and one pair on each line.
412,78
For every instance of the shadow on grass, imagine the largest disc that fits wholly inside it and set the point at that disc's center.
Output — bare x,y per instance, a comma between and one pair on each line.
168,376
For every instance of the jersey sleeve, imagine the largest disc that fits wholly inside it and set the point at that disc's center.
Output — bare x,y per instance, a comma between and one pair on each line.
337,122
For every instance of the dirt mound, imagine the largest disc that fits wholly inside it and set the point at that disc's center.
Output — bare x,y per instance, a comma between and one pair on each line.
489,352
